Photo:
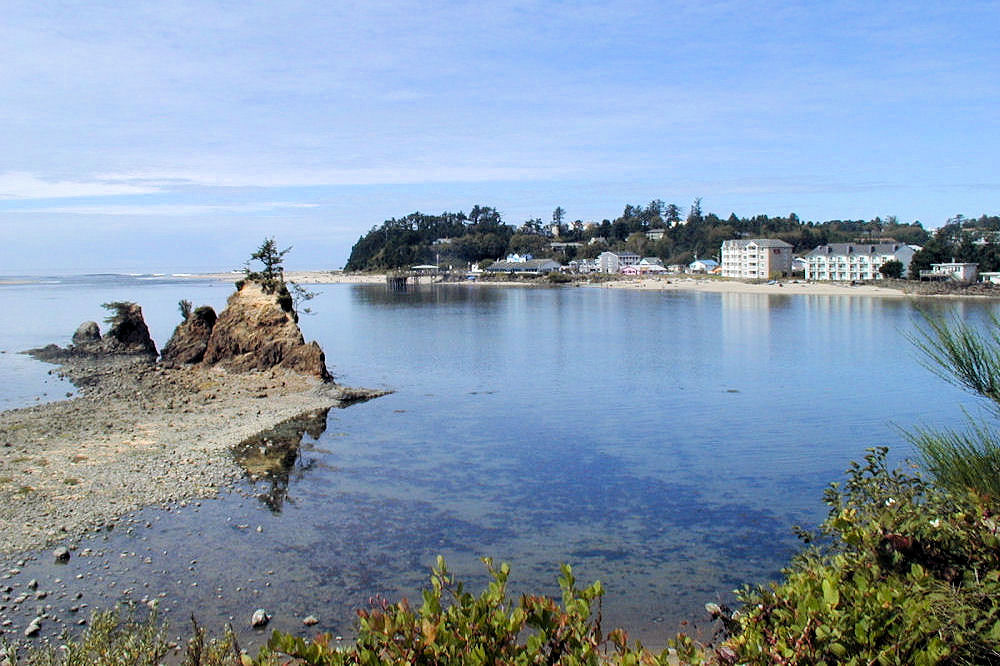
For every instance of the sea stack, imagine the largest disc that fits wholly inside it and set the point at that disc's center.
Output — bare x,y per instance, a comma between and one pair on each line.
190,339
258,331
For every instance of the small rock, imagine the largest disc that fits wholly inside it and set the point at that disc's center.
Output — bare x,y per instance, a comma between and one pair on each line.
33,627
310,620
259,618
61,554
33,584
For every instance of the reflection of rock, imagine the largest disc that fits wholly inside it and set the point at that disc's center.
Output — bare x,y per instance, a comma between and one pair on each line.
255,332
272,456
190,338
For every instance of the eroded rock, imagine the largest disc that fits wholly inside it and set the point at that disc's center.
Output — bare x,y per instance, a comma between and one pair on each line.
256,332
190,339
87,333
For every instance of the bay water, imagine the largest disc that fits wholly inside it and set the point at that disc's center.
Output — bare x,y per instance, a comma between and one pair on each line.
665,443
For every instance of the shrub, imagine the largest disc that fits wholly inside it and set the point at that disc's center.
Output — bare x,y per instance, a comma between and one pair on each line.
454,627
908,574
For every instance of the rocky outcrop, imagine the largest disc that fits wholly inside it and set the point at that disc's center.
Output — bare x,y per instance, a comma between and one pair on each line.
190,339
88,333
257,332
128,333
127,341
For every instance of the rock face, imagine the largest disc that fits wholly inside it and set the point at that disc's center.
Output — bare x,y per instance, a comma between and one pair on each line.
88,332
128,333
190,339
254,332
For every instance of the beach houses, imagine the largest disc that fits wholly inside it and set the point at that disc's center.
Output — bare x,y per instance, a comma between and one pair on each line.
756,258
856,261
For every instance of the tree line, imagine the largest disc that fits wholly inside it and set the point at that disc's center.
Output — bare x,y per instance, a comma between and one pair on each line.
458,239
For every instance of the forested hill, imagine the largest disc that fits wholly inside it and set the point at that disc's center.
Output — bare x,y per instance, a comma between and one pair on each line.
457,239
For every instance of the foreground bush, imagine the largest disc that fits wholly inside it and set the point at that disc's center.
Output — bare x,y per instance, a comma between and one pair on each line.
455,627
908,574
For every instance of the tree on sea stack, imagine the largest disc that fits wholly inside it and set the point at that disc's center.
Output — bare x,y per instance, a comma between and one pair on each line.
272,277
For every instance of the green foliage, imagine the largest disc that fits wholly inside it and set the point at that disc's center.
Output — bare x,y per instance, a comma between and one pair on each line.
482,234
960,239
910,574
109,640
969,358
271,277
119,311
453,626
892,269
184,306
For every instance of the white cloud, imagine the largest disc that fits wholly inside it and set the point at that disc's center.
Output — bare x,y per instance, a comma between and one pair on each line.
164,179
20,185
178,210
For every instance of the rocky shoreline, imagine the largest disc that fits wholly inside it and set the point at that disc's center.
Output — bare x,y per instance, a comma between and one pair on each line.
145,432
138,435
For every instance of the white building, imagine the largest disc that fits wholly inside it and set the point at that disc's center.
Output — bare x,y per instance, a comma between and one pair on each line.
757,258
956,271
614,262
702,266
855,261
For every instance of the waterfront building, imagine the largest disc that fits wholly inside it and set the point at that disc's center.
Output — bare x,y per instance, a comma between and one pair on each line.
856,261
956,271
756,258
702,266
614,262
524,266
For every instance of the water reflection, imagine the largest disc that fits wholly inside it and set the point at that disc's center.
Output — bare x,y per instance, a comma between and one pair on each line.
274,457
424,294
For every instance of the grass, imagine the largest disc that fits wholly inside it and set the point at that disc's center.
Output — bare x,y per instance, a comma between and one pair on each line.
109,639
961,460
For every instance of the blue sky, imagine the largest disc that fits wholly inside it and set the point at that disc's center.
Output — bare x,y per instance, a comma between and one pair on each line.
175,136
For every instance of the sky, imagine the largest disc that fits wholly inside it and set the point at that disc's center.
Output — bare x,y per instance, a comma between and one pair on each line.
176,136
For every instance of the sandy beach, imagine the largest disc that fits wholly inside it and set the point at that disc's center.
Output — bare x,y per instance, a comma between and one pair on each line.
725,286
663,283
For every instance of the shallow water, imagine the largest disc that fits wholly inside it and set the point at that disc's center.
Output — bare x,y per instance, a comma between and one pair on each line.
665,443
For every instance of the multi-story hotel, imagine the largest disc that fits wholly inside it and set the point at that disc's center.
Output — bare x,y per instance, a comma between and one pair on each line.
855,261
757,258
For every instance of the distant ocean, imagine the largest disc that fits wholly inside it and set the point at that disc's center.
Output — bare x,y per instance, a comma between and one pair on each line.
664,443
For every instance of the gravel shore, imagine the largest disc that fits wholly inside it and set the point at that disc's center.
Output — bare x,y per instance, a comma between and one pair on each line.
138,435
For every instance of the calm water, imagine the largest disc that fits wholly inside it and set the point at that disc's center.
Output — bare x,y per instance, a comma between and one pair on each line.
665,443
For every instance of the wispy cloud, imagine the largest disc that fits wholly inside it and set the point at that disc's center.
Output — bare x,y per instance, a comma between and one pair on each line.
170,210
19,185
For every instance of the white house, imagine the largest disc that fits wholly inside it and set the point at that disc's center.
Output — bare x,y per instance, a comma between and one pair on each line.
524,266
855,261
956,271
613,262
702,266
756,258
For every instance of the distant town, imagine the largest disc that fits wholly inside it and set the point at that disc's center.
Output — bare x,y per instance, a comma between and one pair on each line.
658,239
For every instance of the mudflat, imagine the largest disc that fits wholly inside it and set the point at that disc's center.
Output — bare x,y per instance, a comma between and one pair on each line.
138,434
